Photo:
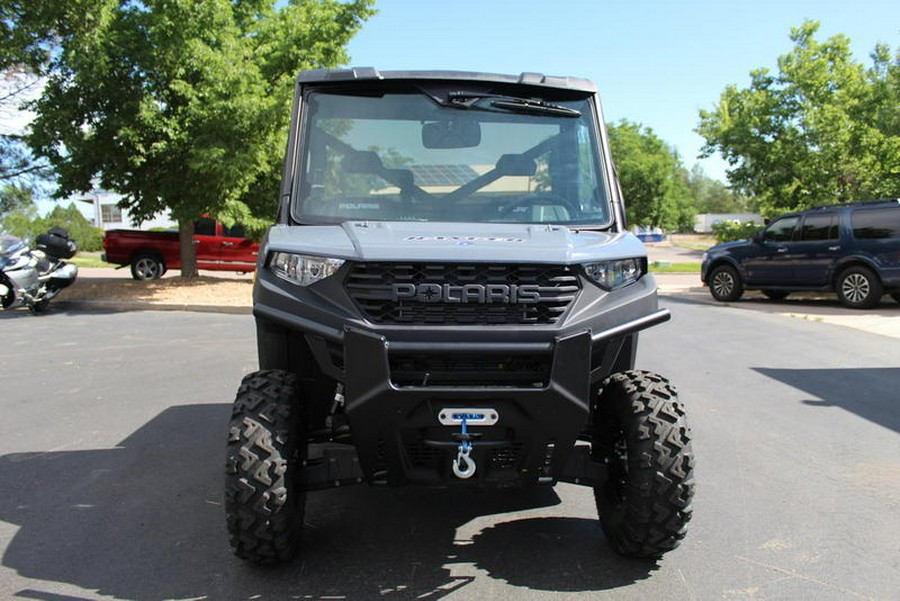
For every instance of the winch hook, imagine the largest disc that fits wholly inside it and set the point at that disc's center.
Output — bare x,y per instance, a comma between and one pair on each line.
464,466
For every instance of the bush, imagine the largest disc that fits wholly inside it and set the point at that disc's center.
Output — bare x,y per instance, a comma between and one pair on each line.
726,231
28,227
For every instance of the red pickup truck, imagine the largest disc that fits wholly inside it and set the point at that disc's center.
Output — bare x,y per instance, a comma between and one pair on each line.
150,254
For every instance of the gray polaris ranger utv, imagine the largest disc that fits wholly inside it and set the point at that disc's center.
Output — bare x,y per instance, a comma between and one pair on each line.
450,297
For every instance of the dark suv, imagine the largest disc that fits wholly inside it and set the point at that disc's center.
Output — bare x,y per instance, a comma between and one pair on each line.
852,249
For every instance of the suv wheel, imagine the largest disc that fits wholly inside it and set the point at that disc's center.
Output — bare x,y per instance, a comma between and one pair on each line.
858,288
641,433
725,284
264,503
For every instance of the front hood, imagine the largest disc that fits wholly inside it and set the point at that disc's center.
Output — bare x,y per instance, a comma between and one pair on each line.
728,246
418,241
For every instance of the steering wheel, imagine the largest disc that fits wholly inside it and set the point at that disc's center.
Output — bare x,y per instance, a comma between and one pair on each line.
523,203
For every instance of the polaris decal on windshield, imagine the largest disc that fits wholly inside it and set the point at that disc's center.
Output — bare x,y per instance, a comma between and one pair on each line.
499,294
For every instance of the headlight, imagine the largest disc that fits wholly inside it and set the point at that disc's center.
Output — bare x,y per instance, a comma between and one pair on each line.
302,270
615,274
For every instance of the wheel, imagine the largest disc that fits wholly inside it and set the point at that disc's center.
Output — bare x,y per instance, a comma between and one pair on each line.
641,433
264,502
147,267
895,296
725,284
40,306
775,295
858,288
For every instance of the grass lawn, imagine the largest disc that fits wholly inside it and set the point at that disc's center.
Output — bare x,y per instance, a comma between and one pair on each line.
84,259
657,267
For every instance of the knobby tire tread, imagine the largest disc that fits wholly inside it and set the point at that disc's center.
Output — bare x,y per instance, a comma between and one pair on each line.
263,504
648,514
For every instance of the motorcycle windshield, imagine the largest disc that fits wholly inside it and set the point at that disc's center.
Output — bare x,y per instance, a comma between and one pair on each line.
9,244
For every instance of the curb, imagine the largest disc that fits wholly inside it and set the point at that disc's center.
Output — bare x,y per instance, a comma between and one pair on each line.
122,307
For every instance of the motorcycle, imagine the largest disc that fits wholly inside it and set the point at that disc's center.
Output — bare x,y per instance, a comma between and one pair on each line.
31,277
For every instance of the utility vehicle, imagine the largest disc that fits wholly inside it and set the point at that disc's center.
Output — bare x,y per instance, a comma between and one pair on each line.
450,297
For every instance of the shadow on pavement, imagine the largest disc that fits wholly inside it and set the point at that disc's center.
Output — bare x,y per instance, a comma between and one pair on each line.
144,521
870,393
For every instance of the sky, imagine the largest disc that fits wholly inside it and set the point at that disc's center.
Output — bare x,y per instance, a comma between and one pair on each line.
655,62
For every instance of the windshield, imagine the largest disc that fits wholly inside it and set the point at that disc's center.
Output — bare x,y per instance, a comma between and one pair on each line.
9,244
409,157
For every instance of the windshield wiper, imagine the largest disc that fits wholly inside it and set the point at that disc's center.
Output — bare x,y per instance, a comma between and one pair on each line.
536,107
470,100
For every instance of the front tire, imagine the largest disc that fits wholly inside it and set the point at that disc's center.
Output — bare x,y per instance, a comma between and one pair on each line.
725,284
858,288
40,306
264,502
641,433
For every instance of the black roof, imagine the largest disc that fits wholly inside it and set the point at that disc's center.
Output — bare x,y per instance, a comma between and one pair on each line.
369,73
858,203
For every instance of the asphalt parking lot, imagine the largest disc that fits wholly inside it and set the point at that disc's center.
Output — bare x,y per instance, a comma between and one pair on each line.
112,447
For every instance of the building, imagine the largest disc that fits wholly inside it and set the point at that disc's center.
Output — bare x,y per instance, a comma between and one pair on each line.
704,221
101,208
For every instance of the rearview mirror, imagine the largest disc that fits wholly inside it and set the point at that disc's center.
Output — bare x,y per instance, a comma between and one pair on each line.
451,134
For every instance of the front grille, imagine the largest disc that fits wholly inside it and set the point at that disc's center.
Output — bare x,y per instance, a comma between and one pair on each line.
522,371
421,455
505,457
461,294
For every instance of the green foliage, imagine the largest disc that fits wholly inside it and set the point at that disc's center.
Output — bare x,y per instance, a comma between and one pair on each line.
652,178
88,237
18,224
16,198
26,225
27,37
182,104
712,196
729,230
824,129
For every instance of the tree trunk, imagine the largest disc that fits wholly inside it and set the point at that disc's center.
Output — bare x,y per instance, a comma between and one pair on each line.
187,249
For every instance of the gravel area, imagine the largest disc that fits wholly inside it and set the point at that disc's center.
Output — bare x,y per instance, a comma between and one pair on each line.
99,284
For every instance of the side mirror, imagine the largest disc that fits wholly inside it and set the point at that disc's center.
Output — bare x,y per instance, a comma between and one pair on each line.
451,134
759,237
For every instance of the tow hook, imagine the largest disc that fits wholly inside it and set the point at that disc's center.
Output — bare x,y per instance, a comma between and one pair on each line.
464,466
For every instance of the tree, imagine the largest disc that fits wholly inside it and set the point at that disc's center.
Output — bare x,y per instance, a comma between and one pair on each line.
712,196
824,129
25,45
24,223
88,237
15,198
18,167
652,178
17,210
181,105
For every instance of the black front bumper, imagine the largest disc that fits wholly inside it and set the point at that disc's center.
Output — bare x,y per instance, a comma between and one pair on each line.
400,440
